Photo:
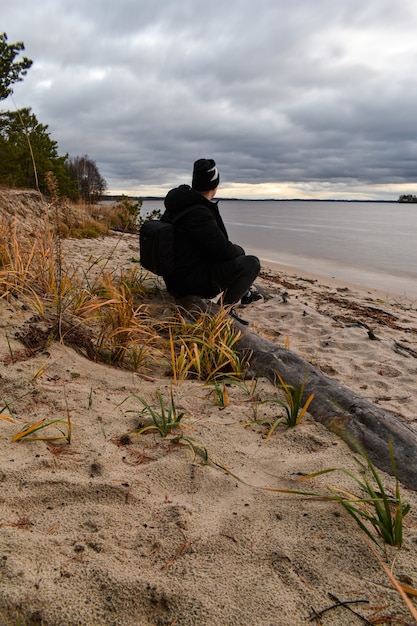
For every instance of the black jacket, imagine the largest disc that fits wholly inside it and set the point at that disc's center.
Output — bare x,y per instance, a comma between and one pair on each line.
200,236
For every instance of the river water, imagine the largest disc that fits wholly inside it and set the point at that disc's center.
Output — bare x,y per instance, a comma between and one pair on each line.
372,244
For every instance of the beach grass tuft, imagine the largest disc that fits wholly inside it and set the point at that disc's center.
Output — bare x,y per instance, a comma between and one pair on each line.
205,348
165,419
291,400
378,513
64,427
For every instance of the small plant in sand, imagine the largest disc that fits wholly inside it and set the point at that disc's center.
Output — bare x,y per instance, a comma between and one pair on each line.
64,427
164,418
221,394
379,514
42,368
90,398
292,402
249,387
3,416
205,348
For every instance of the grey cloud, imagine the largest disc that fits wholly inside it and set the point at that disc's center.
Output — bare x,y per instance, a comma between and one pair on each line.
309,92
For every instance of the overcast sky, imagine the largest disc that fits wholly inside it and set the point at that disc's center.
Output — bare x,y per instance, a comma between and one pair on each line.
309,98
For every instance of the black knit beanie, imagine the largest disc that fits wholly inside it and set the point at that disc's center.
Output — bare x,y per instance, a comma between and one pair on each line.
205,175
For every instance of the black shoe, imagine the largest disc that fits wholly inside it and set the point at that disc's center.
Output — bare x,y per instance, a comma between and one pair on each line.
238,319
250,296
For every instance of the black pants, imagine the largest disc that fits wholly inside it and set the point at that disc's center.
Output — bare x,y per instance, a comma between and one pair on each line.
234,277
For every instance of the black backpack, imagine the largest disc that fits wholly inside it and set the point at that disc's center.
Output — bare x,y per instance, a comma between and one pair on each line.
156,244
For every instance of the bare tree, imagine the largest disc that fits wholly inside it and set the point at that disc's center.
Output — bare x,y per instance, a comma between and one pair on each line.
90,184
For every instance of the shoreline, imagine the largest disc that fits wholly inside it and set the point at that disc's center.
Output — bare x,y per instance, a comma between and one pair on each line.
356,278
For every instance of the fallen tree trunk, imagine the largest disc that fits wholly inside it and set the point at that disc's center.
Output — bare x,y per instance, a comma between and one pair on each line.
338,408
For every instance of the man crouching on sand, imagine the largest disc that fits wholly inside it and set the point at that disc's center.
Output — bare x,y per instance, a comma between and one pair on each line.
206,263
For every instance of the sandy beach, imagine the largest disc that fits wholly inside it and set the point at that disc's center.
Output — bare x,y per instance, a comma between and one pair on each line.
105,532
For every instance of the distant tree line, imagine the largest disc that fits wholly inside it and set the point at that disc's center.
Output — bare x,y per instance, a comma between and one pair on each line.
407,198
27,151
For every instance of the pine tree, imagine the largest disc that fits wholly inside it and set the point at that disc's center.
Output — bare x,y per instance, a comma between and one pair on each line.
11,71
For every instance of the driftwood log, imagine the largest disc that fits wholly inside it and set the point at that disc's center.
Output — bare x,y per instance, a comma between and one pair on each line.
338,408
